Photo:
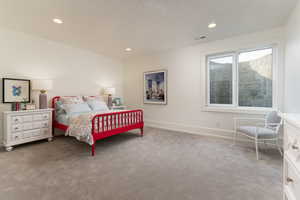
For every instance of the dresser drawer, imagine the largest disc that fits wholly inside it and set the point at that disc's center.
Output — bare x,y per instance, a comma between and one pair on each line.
27,118
292,180
17,136
44,124
29,134
16,127
45,116
16,119
288,195
33,133
39,117
27,126
41,124
292,141
21,119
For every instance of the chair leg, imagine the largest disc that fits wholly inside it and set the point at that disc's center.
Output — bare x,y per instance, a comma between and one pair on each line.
142,131
256,148
279,148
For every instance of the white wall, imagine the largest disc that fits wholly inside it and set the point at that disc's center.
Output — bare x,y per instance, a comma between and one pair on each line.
81,72
186,90
73,71
292,62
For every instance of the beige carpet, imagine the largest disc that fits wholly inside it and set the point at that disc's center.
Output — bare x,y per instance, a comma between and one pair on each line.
161,165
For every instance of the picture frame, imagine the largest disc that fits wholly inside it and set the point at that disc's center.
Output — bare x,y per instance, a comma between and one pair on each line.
16,90
155,87
117,101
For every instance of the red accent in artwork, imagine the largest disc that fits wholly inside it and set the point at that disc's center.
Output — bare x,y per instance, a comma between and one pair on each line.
108,124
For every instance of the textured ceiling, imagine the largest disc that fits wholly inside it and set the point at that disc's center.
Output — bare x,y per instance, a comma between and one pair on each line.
109,26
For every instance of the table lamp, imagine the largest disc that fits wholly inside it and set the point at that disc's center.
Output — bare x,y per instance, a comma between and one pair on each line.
109,91
42,85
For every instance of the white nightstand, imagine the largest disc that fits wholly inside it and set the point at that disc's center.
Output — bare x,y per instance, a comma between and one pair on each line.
24,126
118,108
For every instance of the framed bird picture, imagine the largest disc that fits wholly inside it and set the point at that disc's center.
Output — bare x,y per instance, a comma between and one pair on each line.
16,90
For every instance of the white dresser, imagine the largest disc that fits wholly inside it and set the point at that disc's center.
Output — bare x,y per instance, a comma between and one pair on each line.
20,127
291,162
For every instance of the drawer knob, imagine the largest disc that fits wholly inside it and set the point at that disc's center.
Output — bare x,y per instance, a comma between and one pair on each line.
295,147
289,180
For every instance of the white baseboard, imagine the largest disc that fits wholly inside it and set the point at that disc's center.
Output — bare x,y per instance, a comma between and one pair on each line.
197,130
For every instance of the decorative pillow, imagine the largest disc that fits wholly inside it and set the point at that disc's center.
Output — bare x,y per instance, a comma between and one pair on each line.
71,100
98,98
97,105
76,108
59,108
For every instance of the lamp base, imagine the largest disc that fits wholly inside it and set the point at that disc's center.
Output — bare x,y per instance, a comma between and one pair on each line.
109,101
43,101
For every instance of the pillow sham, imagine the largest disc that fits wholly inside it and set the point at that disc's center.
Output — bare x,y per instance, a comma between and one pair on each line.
88,98
97,105
59,108
71,100
76,108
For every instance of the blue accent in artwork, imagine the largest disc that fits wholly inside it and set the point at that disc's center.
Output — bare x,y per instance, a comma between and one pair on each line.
16,90
150,83
159,76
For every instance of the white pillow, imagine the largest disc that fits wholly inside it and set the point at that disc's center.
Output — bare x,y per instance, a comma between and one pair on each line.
76,108
90,98
71,100
97,105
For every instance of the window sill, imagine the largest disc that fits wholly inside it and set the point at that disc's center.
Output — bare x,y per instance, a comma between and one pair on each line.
254,111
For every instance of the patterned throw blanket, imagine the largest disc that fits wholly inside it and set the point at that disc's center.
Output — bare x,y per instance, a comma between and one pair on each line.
80,126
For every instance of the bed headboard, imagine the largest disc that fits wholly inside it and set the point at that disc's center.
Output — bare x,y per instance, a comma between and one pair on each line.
54,100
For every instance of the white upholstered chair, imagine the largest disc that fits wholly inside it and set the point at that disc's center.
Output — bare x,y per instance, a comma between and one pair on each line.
259,129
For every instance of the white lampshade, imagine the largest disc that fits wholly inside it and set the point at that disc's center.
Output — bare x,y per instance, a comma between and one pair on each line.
110,91
42,84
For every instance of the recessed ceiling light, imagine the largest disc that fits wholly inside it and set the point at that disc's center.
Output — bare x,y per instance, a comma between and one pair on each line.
212,25
128,49
200,37
58,21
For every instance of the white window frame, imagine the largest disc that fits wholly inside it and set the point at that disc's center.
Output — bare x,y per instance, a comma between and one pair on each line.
234,107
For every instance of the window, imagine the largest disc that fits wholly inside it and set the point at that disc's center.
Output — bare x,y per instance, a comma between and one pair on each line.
241,79
220,81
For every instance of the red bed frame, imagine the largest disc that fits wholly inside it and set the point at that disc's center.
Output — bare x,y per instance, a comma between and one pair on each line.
105,125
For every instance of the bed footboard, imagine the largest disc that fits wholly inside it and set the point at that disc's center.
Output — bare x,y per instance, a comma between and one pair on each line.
108,124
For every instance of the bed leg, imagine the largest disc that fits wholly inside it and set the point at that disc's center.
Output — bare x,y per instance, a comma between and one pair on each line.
93,149
142,131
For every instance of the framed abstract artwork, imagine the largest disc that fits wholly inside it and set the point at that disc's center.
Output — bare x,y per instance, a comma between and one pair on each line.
155,87
16,90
